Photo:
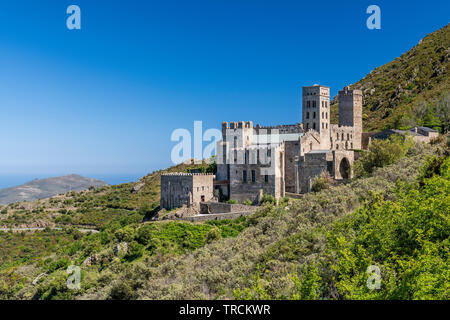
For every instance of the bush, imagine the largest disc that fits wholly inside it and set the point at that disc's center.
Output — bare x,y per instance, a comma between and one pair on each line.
4,211
247,202
382,153
268,198
135,250
232,201
213,234
322,182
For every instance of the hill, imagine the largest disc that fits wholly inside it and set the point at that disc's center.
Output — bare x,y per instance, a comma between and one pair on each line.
317,247
46,188
411,90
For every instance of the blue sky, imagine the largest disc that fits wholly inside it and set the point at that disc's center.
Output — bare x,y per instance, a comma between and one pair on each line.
105,99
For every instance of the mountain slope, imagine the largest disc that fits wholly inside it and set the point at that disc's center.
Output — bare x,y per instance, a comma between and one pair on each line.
393,92
46,188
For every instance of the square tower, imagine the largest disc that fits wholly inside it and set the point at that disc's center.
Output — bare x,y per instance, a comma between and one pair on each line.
350,113
316,112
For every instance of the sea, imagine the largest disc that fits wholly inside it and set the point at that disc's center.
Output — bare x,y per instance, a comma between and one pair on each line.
12,180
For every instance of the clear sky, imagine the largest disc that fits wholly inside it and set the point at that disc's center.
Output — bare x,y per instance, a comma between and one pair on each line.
105,99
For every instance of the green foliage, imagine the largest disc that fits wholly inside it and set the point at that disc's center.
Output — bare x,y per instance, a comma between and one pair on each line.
382,153
415,81
247,202
268,198
322,182
232,201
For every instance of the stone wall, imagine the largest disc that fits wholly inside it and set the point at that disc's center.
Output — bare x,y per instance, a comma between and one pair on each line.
222,207
312,165
350,113
178,189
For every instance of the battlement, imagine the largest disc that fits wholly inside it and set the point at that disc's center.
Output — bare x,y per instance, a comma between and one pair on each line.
186,174
350,92
237,125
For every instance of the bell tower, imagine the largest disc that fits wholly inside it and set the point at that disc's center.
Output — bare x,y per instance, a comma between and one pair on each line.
316,112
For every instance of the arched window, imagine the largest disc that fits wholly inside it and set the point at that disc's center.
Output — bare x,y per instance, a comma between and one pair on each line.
323,125
323,117
326,115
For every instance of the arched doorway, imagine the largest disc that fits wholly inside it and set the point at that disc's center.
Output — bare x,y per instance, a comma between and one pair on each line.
344,168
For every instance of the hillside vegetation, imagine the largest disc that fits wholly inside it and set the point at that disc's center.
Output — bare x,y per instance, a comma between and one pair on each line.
317,247
414,89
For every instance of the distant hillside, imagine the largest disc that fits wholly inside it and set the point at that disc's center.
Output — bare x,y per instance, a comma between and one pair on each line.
405,92
46,188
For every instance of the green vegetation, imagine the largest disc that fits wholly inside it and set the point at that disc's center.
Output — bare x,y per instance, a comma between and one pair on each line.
407,238
382,153
322,182
412,90
394,216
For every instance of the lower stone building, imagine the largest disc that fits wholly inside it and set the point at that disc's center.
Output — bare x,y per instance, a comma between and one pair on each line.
185,189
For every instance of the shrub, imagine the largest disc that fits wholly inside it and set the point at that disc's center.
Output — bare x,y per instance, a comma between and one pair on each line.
232,201
247,202
322,182
268,198
4,211
135,250
213,234
382,153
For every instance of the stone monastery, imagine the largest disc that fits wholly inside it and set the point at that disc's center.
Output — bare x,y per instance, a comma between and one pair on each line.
279,160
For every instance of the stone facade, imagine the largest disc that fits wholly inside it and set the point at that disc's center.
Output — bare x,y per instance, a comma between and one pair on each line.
189,189
253,160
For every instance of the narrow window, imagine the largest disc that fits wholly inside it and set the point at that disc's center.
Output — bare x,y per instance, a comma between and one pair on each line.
314,125
253,175
244,175
307,115
266,178
314,115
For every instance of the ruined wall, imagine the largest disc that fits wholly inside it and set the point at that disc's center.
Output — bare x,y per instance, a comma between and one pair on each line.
312,165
